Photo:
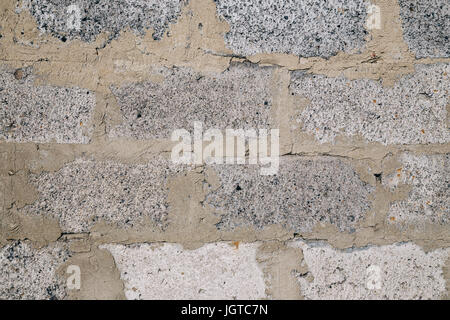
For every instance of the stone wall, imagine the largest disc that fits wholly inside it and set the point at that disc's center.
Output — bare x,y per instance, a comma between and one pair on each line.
91,91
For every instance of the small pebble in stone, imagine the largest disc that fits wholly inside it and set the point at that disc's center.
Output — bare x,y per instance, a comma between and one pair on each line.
18,74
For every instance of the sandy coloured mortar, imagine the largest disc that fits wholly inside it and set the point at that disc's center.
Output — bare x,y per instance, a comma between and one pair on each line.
85,122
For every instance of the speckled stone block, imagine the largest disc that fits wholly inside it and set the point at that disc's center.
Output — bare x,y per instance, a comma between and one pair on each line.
30,113
429,198
86,19
304,193
411,112
396,272
306,28
238,98
85,191
167,271
426,27
30,274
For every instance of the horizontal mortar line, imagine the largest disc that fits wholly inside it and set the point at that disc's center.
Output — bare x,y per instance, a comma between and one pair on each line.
316,241
432,60
42,60
149,152
138,142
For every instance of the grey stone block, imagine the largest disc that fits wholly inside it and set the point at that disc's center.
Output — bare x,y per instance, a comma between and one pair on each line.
238,98
85,191
396,272
86,19
429,199
304,193
30,113
306,28
426,27
411,112
167,271
31,274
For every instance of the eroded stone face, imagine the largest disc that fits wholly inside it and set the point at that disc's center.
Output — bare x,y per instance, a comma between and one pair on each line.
86,19
30,113
397,271
238,98
411,112
426,27
429,198
167,271
85,191
306,28
30,274
304,193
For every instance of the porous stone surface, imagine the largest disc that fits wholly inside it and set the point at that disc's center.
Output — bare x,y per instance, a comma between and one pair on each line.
429,198
167,271
426,27
304,193
413,111
93,91
238,98
305,28
30,113
86,19
398,271
85,191
30,274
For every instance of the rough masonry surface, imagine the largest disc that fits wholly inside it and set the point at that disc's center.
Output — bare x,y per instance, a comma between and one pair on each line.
303,193
429,199
30,113
398,271
426,27
92,91
414,111
86,19
27,273
238,98
305,28
85,191
167,271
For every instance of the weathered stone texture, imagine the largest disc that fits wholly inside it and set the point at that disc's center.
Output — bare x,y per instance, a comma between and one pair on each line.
167,271
30,113
93,91
31,274
238,98
85,191
429,198
411,112
86,19
305,28
398,271
426,27
303,193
